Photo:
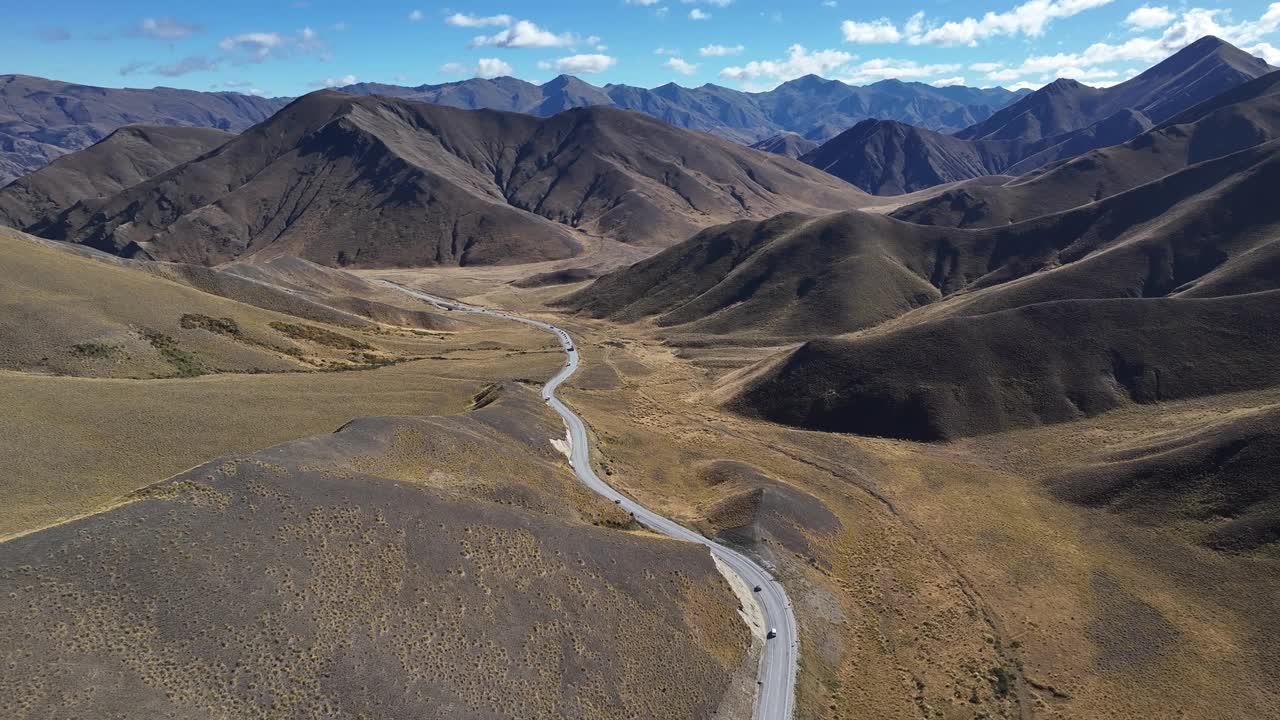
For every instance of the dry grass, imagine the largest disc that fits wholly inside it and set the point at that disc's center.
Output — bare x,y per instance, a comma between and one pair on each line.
955,584
303,582
74,444
77,443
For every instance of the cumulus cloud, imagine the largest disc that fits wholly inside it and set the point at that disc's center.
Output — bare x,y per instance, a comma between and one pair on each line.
886,68
1029,19
665,51
947,82
681,66
1267,52
473,21
799,61
256,47
166,28
416,16
492,68
720,50
484,68
579,64
876,31
524,34
1090,64
699,14
1149,18
332,82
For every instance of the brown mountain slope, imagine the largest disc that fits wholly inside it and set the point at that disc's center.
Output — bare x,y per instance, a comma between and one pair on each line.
1190,76
1063,316
42,119
371,181
890,158
1218,477
1042,363
412,567
791,144
885,157
1204,231
789,276
124,158
1243,117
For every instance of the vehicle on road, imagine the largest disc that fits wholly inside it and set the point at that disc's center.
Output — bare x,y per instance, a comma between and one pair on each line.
755,589
773,633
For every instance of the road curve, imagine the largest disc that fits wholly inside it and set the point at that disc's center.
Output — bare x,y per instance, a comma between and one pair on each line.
777,676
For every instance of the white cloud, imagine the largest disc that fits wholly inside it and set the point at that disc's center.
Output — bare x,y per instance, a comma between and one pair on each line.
876,31
166,28
1029,18
341,26
680,66
416,16
1267,52
665,51
947,82
915,23
254,46
885,69
1090,63
256,92
1149,18
698,14
644,3
799,61
579,64
492,68
474,21
484,68
524,34
829,3
720,50
336,82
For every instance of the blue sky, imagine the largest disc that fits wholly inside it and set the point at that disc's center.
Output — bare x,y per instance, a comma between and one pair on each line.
288,47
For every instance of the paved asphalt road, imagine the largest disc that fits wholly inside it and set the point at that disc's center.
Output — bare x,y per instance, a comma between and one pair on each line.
777,679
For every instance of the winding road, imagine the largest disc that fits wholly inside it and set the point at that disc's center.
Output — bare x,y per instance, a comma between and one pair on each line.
777,676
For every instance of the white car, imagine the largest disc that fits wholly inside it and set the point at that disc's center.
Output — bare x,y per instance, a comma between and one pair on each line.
773,633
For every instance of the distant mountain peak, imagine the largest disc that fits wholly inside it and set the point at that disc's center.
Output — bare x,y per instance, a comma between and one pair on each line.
808,81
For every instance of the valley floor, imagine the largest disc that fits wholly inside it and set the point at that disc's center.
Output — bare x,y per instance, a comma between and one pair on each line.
936,580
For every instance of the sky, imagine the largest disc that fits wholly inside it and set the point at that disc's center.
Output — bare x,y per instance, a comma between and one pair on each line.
290,47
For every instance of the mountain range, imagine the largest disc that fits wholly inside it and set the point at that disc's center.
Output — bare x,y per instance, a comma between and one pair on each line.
375,181
1056,122
41,120
1160,289
811,106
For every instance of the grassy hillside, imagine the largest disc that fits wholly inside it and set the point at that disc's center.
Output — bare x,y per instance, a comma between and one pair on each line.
404,568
